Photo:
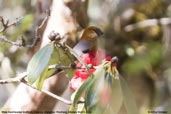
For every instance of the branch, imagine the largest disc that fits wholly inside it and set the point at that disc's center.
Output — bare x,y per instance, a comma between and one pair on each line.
71,66
45,19
57,97
62,67
37,30
6,24
21,78
17,79
22,43
147,23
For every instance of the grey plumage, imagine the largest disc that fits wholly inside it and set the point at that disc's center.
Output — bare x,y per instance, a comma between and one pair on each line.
82,47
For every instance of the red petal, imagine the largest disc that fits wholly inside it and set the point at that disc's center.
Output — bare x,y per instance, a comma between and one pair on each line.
75,83
94,58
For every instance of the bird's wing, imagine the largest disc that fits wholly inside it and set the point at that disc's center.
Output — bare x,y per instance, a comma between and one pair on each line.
82,47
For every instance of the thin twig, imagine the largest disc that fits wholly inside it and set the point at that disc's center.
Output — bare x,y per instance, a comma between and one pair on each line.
57,97
5,39
45,19
68,102
17,79
62,67
22,43
21,78
6,24
48,93
147,23
37,31
16,43
35,41
56,66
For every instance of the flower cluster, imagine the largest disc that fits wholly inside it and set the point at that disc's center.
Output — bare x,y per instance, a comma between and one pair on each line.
81,74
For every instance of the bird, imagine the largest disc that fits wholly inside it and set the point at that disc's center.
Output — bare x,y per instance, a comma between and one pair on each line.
87,49
88,40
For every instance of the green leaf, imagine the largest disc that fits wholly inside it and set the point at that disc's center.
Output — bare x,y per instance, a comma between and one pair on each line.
92,97
65,60
116,95
116,92
92,93
48,55
59,57
107,79
128,99
83,87
87,84
41,79
39,62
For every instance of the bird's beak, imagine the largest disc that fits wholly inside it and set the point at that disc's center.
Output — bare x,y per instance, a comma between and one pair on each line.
99,32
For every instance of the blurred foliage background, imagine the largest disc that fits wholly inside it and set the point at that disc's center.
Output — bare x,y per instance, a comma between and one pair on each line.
137,31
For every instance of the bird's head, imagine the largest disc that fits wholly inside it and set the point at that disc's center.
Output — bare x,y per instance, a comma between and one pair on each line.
91,34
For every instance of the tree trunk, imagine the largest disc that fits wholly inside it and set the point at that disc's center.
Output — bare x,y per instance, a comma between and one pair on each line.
65,18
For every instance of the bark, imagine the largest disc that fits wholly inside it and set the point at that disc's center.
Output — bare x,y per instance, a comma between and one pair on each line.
66,17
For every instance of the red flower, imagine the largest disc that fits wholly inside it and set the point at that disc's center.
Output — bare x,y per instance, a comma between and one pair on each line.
76,82
80,75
